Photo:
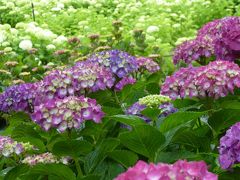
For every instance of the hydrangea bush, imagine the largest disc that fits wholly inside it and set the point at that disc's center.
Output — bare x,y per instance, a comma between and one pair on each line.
84,100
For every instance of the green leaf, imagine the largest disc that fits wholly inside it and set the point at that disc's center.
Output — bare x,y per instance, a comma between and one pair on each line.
90,177
178,118
128,119
124,157
16,172
143,139
72,148
152,113
100,153
24,130
223,119
171,157
230,104
63,172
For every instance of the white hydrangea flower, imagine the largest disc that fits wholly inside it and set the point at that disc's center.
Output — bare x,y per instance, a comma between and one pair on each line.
25,44
152,29
50,47
2,36
59,40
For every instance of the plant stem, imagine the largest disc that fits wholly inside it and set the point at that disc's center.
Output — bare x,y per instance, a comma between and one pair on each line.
78,167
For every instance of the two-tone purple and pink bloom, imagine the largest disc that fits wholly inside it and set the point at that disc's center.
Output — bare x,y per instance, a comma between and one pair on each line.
217,79
67,113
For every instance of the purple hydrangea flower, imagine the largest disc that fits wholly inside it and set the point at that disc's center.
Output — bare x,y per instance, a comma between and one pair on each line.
81,78
193,50
229,153
137,108
179,170
123,82
67,113
120,63
220,38
9,147
148,64
215,80
18,97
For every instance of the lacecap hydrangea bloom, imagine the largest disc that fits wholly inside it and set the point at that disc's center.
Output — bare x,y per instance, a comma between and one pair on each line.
18,97
45,158
10,147
220,38
66,113
179,170
229,153
217,79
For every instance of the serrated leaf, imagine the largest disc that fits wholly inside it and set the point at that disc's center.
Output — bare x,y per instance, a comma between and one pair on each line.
100,153
143,139
63,172
178,118
128,119
124,157
72,148
16,172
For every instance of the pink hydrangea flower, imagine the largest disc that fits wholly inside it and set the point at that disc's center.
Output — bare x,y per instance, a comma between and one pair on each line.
180,170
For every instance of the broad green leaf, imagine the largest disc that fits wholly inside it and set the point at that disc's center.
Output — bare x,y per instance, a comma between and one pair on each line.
90,177
233,104
16,172
124,157
152,113
128,119
72,148
223,119
99,154
143,139
178,118
24,130
171,157
63,172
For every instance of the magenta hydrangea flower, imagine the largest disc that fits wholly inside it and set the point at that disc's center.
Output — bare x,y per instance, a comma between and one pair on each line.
220,38
81,78
18,97
179,170
229,153
67,113
123,82
193,50
9,147
217,79
148,64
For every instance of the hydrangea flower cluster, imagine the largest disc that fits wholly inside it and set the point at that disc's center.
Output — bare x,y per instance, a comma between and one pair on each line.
9,147
120,63
154,100
18,97
45,158
229,147
148,64
192,50
123,82
214,80
220,38
84,76
179,170
67,113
